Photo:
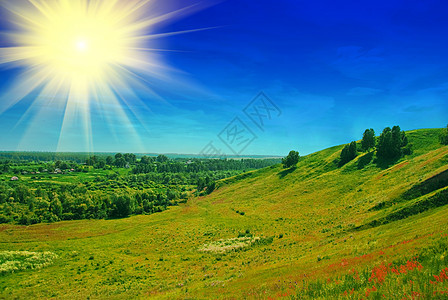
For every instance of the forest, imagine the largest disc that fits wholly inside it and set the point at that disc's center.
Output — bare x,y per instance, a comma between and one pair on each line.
35,188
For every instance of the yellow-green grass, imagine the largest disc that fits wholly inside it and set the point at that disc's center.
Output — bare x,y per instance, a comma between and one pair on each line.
312,211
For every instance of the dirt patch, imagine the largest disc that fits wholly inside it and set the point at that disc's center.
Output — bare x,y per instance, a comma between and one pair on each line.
400,165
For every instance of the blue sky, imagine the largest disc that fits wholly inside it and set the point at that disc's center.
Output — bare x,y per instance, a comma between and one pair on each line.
333,68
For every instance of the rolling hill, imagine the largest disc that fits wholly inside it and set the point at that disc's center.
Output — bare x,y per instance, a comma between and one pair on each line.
366,229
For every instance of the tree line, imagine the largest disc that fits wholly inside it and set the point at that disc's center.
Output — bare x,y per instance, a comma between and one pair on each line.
391,144
23,205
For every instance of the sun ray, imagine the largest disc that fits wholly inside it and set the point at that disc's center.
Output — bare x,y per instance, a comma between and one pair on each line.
166,34
49,91
41,110
24,85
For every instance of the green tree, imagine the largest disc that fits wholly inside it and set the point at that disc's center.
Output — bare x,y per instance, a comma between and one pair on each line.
384,147
147,206
162,158
349,152
291,160
120,162
211,187
201,184
396,141
130,158
100,164
368,139
56,207
145,160
444,136
64,166
391,142
122,206
109,160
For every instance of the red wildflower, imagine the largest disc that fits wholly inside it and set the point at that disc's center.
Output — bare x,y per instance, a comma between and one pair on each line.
441,277
403,269
378,274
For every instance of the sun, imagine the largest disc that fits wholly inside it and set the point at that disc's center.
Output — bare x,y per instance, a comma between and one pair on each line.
81,45
72,41
77,54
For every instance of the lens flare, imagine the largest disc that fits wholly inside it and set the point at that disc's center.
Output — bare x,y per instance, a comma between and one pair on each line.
79,54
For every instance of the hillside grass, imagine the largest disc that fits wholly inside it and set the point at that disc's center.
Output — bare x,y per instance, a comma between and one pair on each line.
316,217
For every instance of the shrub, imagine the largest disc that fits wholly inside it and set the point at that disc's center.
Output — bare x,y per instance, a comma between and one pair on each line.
245,234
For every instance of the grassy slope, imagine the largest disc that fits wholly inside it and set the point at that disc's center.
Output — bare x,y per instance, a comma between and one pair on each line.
316,207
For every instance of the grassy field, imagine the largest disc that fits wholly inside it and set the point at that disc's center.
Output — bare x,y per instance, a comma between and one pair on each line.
370,229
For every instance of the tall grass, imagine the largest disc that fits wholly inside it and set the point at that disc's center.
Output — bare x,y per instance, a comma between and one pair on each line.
14,261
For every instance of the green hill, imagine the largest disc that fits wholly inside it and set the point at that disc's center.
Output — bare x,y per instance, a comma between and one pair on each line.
367,229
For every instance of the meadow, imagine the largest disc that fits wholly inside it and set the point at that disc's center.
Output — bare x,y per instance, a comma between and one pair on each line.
369,229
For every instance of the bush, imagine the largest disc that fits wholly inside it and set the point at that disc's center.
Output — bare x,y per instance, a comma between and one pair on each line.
247,233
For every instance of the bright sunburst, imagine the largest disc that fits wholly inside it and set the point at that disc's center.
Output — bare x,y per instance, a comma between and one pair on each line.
79,53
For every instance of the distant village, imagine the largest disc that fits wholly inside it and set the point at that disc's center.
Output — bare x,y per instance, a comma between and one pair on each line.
56,171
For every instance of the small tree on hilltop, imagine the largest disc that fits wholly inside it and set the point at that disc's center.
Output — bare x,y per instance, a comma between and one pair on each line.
391,142
399,140
291,160
348,153
444,136
368,139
